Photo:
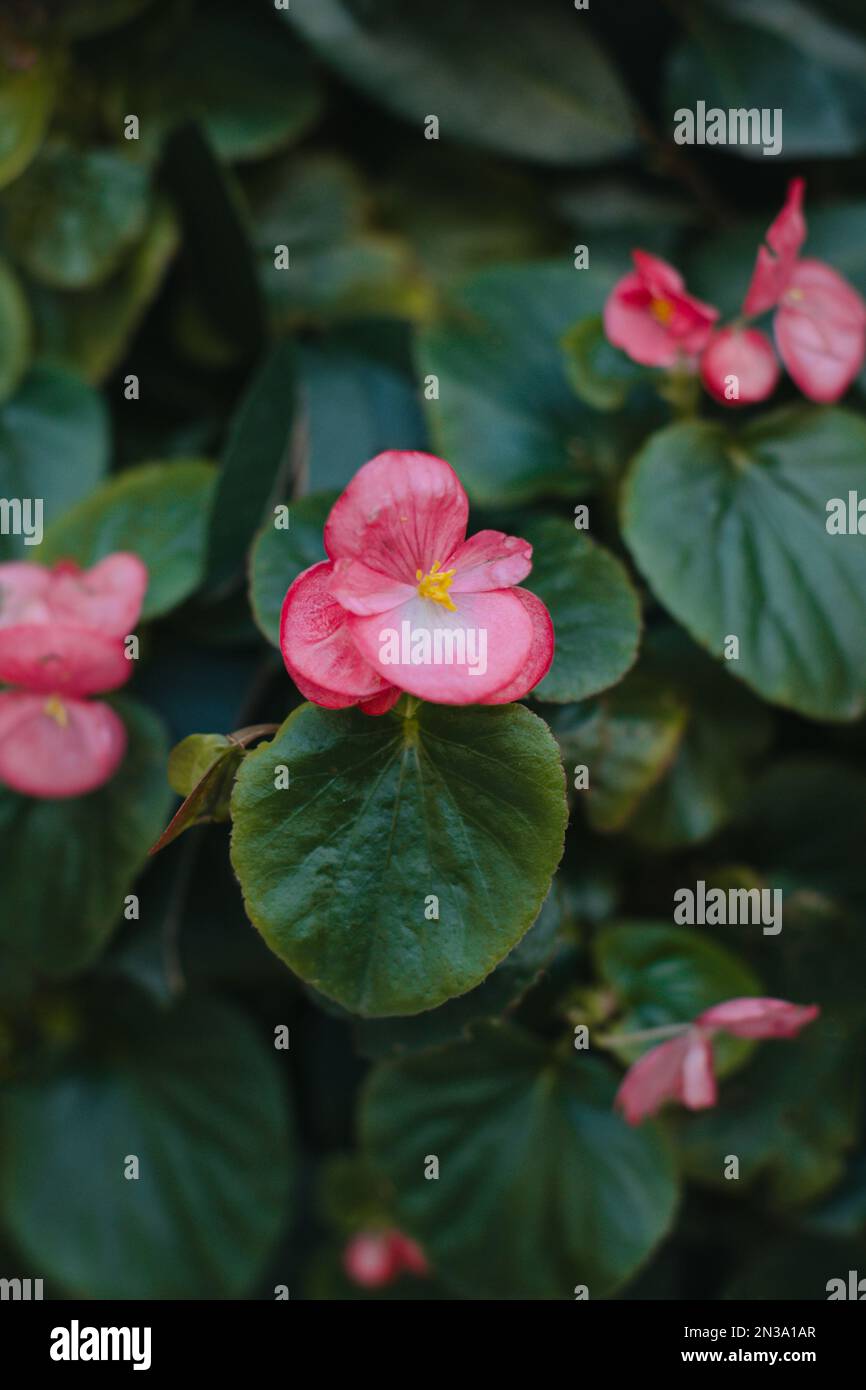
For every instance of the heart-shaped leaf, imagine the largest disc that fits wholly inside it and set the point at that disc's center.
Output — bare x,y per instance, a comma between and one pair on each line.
527,1142
159,511
731,534
56,923
387,822
196,1099
565,103
54,445
595,610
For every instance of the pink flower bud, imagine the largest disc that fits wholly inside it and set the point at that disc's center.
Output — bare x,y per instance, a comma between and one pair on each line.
739,366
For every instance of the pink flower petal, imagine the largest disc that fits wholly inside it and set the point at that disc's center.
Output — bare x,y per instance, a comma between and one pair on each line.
400,513
630,326
774,267
57,747
52,656
698,1082
497,635
540,657
660,278
362,590
108,596
758,1018
381,704
820,328
653,1078
652,318
746,354
408,1254
489,560
23,589
317,648
369,1260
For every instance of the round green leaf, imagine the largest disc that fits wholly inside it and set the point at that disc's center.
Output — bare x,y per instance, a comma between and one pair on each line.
541,1185
730,533
159,511
54,445
73,216
15,333
506,416
59,921
565,102
595,610
466,804
197,1098
278,557
26,100
662,975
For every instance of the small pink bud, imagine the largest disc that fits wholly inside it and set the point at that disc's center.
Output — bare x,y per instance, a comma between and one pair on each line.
739,366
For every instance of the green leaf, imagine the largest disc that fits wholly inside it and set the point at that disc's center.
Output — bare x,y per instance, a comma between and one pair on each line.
15,332
337,869
317,208
507,418
500,992
58,922
157,510
627,740
360,400
278,557
90,332
789,1117
255,462
239,75
663,975
730,533
726,730
565,104
774,57
601,375
202,769
54,445
26,101
528,1143
595,610
75,214
197,1098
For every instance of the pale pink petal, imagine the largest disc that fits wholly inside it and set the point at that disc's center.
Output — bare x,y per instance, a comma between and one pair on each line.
659,277
698,1083
316,645
23,589
629,325
362,590
654,1078
759,1018
540,657
56,656
746,354
57,747
400,513
369,1260
774,267
820,328
487,637
108,596
489,560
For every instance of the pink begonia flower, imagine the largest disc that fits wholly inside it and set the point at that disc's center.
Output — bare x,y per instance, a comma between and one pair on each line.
820,321
652,318
375,1259
744,353
62,636
405,603
682,1069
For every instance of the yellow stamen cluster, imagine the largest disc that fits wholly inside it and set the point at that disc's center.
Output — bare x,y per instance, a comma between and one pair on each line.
435,585
662,311
56,710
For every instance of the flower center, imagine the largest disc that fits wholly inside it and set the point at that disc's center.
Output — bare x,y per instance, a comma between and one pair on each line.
662,311
794,295
56,710
435,585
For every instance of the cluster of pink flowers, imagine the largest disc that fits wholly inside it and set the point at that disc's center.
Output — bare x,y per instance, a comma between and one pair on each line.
682,1069
374,1259
61,640
359,627
819,323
